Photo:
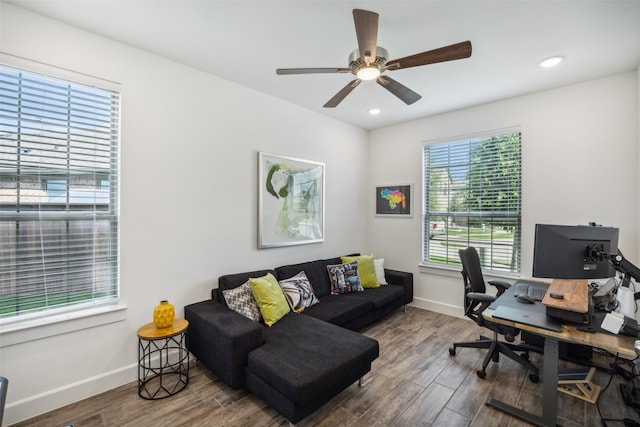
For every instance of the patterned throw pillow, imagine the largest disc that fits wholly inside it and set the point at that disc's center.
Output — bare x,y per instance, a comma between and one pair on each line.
241,300
344,278
366,269
299,292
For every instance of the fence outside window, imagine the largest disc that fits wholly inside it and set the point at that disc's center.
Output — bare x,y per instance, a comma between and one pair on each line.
59,196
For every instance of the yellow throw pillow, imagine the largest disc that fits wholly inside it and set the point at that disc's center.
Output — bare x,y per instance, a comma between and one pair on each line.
366,270
270,298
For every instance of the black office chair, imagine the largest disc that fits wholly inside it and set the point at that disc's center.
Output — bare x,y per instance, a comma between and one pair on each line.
4,384
476,300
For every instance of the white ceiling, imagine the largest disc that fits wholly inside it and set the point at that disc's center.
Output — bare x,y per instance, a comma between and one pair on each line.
245,41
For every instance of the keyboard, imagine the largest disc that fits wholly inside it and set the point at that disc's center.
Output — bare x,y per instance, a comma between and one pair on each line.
537,293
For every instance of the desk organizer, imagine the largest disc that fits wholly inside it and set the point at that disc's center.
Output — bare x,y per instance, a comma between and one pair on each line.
577,383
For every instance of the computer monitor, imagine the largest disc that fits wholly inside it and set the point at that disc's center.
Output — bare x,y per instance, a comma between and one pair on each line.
568,251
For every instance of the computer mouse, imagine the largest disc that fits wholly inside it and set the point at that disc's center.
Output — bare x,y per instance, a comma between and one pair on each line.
526,299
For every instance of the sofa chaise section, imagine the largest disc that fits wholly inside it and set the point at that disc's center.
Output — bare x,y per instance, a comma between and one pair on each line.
298,379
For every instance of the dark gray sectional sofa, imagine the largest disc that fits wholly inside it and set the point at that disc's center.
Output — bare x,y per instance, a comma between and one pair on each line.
303,360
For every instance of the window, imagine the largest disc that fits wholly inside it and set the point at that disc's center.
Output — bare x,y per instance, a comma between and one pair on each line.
472,197
58,195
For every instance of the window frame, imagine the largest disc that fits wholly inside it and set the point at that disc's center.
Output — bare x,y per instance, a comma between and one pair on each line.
107,309
514,214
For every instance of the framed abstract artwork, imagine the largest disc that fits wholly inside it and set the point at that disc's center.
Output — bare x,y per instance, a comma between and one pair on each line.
394,200
290,201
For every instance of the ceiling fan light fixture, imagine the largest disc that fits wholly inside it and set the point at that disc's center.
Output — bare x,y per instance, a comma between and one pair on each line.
368,73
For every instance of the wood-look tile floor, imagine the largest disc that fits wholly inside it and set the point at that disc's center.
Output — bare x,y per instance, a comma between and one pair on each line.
414,382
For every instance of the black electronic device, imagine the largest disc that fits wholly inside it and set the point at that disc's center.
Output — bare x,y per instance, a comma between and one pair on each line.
567,251
527,299
530,289
528,317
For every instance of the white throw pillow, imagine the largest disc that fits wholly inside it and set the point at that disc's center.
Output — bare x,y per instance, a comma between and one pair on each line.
379,264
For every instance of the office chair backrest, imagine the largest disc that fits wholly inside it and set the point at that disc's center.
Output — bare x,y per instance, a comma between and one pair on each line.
472,270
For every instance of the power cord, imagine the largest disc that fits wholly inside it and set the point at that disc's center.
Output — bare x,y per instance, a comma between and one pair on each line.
630,394
602,419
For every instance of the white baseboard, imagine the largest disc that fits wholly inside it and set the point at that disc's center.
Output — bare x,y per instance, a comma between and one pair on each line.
438,307
53,399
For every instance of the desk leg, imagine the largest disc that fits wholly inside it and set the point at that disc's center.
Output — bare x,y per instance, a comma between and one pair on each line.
549,391
550,382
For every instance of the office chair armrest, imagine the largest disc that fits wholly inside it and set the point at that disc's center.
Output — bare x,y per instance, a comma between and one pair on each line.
478,303
500,285
480,297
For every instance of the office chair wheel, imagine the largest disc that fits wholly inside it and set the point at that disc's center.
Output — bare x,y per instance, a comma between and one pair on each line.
534,378
452,351
482,374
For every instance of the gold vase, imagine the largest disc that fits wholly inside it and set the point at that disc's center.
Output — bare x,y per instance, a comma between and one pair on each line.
164,314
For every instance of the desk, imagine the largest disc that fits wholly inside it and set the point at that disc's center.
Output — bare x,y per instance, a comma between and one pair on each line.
622,345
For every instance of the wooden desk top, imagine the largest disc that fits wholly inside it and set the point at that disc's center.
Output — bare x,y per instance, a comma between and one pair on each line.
150,332
576,295
620,344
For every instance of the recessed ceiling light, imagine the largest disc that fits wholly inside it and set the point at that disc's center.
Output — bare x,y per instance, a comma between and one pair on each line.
374,111
550,62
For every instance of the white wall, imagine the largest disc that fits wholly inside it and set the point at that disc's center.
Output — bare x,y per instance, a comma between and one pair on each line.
189,171
189,199
579,164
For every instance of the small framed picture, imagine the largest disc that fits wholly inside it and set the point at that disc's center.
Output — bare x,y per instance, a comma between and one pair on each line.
394,200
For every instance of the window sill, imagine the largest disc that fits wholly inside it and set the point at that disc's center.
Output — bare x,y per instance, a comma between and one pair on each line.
35,329
451,271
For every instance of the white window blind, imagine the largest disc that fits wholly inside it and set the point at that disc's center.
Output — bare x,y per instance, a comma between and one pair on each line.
472,189
58,195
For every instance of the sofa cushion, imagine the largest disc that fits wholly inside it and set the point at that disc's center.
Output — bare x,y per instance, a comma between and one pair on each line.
340,309
241,301
344,278
381,296
302,356
299,292
366,269
270,298
316,271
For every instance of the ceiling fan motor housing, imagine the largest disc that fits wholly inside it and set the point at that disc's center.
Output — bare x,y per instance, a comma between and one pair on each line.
355,62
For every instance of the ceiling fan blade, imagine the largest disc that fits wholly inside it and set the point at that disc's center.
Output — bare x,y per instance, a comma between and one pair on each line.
398,89
283,71
367,33
447,53
337,99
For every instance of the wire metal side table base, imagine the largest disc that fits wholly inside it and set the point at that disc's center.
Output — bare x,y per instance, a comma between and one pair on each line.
163,363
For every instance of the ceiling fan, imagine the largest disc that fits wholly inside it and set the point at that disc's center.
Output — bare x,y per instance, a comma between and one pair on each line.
369,61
